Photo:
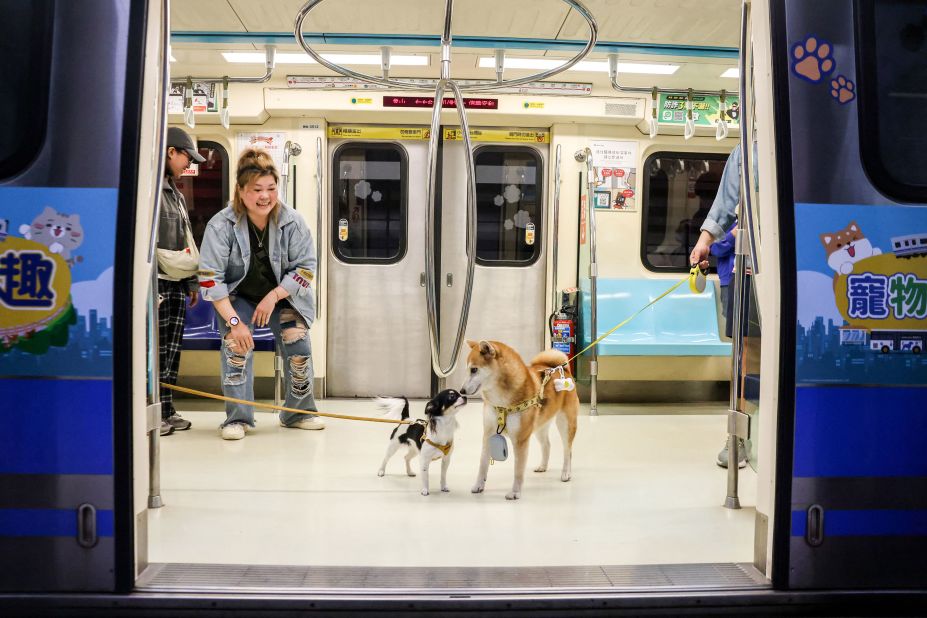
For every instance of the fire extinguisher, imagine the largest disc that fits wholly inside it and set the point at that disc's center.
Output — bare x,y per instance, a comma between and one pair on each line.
562,325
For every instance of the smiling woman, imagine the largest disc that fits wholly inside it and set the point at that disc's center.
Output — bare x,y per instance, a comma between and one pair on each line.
258,260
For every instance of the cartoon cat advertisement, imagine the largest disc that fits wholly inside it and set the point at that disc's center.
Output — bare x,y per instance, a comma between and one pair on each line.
56,284
862,294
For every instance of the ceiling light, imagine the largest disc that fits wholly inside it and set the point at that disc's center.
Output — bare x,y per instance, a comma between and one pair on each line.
592,66
303,58
732,72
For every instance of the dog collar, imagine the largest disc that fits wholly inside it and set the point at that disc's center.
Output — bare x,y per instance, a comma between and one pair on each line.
444,448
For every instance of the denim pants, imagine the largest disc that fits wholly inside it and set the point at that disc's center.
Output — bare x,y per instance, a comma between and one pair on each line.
291,335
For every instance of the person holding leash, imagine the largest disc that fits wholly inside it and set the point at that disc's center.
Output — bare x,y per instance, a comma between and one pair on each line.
721,217
256,266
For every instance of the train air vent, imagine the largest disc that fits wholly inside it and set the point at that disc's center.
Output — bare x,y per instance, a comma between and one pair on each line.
627,109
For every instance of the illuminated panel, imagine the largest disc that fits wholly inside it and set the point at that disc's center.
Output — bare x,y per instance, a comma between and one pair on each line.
469,103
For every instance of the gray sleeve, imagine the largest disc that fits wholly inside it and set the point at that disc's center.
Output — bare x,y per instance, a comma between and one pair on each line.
214,259
302,254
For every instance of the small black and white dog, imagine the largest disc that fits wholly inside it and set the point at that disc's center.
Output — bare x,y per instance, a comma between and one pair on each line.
432,437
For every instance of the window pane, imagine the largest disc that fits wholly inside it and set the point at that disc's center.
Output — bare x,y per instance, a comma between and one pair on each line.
368,222
894,89
508,204
208,192
679,190
25,46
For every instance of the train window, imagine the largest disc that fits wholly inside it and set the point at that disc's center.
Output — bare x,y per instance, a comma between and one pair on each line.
679,188
208,192
508,206
892,89
25,46
369,203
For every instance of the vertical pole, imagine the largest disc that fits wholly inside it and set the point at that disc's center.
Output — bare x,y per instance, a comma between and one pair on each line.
153,412
732,500
555,232
593,288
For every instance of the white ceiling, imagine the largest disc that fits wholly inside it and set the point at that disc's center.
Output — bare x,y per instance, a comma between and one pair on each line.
698,23
714,23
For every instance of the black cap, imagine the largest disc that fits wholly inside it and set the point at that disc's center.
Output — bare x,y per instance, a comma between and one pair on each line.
179,139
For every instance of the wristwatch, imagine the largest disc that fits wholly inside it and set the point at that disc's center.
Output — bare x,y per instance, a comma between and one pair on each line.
233,321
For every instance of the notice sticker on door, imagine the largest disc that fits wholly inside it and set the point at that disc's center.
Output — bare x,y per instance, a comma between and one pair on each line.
342,229
529,234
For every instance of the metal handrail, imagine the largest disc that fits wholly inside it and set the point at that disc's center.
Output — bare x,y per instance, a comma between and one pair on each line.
613,77
162,134
318,228
732,500
585,155
555,231
270,55
406,85
442,84
746,140
154,391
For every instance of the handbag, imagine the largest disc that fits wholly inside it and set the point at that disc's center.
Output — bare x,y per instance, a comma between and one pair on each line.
180,264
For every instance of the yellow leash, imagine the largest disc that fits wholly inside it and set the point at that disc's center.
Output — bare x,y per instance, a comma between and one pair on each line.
501,411
692,279
270,406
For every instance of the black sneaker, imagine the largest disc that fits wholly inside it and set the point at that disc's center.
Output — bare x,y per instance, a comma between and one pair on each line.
741,455
166,428
178,422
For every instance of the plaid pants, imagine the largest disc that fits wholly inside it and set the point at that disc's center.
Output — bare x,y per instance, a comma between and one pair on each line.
171,313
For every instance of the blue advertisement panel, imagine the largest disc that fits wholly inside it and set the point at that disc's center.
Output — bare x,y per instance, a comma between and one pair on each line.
862,294
56,281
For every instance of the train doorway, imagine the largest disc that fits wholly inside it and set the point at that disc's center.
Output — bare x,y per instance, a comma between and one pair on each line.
376,291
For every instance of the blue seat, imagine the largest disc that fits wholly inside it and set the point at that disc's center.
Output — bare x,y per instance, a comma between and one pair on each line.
201,331
680,324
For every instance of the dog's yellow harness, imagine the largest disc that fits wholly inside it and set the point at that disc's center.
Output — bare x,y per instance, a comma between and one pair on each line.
502,412
444,448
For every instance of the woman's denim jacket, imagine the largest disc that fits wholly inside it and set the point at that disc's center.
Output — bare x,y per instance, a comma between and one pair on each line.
226,254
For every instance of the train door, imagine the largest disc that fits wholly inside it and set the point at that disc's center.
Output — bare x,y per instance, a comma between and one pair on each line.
77,179
853,186
377,339
507,301
377,307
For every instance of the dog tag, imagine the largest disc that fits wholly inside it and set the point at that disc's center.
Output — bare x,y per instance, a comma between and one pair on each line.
498,447
564,384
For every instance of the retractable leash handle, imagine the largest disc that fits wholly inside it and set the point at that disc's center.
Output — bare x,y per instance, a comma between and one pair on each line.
697,279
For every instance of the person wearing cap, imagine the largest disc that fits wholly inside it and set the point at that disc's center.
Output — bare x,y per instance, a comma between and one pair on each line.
174,289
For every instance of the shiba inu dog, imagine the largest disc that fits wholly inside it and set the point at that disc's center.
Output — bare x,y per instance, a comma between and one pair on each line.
506,382
431,438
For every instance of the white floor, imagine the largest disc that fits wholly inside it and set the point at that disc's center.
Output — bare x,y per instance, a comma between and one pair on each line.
645,490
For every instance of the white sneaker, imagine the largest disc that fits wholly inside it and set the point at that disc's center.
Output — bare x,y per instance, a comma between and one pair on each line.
233,431
310,422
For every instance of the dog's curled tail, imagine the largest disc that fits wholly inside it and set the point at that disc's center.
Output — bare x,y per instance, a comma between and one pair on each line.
396,408
551,358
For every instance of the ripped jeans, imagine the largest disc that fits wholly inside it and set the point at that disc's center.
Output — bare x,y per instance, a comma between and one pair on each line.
291,335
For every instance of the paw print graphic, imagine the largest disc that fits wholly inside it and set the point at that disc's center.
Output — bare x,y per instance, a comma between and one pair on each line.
842,89
812,59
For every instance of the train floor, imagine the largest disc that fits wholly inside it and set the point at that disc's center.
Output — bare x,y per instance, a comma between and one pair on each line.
645,491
